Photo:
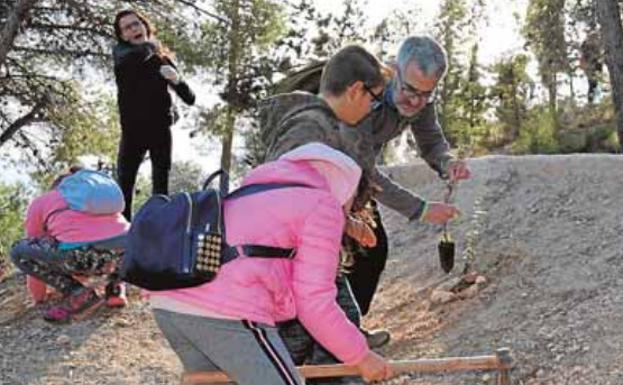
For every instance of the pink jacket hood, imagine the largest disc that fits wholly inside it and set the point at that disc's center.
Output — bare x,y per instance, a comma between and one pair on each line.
339,174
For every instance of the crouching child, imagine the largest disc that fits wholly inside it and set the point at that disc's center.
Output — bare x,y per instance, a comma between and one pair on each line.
75,236
229,323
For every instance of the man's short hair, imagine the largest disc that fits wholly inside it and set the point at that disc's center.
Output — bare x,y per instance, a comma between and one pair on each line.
348,65
426,52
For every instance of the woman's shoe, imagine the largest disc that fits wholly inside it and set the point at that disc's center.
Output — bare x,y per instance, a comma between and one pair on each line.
77,307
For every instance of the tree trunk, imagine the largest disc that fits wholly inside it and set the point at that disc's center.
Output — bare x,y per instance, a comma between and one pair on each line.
227,145
609,17
232,66
11,27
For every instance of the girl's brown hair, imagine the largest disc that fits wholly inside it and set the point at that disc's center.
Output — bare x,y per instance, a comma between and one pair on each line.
163,51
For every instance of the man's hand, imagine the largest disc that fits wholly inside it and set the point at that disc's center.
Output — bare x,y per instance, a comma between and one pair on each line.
439,213
457,170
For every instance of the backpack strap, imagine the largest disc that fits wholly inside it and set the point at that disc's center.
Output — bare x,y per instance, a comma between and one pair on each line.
231,252
53,212
260,251
260,187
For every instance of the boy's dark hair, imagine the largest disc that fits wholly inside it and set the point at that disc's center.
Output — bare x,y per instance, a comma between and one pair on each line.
348,65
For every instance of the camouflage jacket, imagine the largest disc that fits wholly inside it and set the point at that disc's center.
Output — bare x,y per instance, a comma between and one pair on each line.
291,120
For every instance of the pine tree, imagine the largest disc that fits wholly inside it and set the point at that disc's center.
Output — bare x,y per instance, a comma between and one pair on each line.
545,33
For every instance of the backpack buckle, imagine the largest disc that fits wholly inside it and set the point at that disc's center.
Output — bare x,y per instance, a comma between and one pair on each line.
292,253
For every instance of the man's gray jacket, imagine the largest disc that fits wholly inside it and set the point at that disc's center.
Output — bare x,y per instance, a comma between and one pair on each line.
291,120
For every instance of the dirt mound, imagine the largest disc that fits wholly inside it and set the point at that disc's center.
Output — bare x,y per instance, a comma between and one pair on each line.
546,233
544,236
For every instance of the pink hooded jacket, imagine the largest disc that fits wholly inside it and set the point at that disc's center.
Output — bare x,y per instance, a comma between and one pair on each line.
271,290
67,226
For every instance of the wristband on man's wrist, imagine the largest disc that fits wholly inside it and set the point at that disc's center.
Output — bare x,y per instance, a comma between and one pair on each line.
425,207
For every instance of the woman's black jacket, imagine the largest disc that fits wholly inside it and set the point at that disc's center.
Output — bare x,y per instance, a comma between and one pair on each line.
142,93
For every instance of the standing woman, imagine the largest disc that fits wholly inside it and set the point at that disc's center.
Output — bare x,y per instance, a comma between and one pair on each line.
143,71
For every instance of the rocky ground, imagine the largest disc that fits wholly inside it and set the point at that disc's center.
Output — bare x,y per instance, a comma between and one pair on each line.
541,235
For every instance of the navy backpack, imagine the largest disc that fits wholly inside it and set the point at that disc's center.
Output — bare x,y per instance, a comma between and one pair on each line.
179,241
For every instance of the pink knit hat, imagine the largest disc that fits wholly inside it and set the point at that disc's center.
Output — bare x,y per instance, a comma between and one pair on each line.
341,172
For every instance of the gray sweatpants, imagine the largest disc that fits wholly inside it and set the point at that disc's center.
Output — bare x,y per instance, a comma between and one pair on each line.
250,353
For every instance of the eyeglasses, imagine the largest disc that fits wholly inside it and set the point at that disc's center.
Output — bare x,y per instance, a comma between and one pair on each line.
377,99
412,93
130,26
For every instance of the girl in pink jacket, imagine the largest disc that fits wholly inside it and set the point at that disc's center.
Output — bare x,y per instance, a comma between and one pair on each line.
229,323
64,244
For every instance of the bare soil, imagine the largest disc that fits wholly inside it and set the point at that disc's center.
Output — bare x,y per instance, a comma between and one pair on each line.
544,235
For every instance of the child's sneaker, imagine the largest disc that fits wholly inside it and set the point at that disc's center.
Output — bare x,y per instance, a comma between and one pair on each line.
115,295
77,307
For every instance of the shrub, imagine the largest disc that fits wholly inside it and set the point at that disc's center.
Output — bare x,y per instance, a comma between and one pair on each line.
13,201
537,134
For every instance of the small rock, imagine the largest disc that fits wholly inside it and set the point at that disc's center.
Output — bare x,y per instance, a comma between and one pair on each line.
470,292
122,323
440,297
481,280
486,377
63,339
471,277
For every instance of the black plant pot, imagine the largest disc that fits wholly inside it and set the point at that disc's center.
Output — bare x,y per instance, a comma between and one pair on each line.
446,255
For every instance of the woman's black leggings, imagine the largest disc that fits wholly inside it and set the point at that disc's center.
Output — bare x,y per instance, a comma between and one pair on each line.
132,150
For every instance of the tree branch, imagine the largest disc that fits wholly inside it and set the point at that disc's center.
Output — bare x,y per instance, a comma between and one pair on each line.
11,27
68,27
22,121
60,51
212,15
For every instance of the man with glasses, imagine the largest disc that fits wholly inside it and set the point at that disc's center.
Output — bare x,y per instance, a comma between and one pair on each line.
408,103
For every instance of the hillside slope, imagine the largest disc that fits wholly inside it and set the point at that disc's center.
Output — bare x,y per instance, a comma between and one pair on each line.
548,244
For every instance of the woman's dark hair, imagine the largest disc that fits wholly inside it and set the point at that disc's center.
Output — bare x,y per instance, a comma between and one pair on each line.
350,64
151,30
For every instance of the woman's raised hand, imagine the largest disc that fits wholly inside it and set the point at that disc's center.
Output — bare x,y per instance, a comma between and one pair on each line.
170,73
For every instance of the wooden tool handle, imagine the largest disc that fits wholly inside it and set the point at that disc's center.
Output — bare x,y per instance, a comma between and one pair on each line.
451,364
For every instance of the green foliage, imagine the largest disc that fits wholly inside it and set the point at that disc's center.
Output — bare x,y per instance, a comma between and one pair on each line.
545,33
12,206
511,93
537,134
469,104
463,101
451,33
91,129
590,128
238,52
185,176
